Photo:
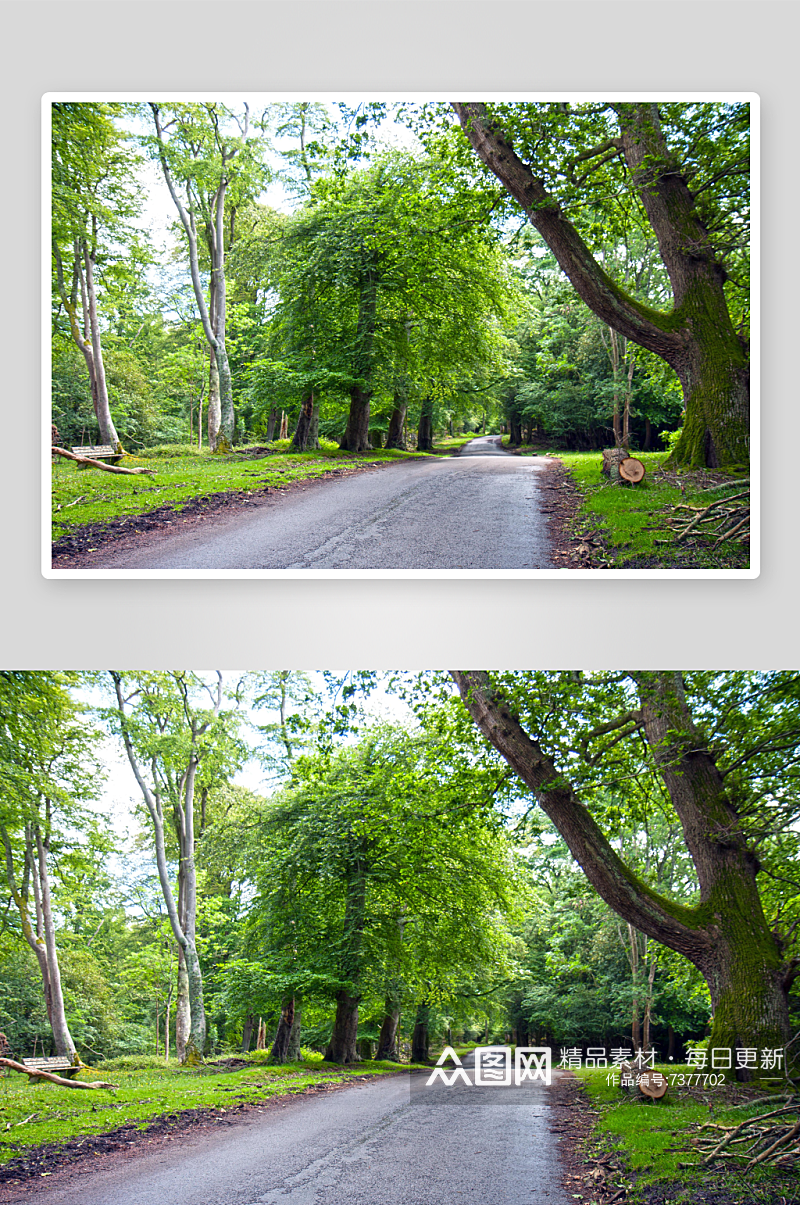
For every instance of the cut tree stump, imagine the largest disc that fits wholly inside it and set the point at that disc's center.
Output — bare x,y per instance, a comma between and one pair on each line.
619,466
632,470
653,1084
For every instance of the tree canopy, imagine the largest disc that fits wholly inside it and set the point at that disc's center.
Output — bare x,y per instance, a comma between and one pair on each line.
565,858
356,274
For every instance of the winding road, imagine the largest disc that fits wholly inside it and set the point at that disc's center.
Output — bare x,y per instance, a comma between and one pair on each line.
477,510
376,1143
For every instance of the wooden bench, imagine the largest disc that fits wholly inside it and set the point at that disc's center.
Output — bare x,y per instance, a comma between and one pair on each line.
59,1065
99,452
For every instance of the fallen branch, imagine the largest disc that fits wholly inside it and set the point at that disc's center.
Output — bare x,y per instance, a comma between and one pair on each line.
54,1079
90,462
760,1131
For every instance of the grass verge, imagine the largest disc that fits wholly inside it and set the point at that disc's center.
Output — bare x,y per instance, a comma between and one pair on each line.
36,1114
631,524
652,1140
90,496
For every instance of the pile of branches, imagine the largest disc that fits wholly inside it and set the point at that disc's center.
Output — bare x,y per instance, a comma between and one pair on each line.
725,518
772,1137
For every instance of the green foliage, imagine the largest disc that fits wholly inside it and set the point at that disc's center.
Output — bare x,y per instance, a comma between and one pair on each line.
372,869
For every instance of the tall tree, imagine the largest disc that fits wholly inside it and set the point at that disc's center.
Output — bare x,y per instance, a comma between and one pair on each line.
560,733
178,742
381,875
388,273
93,195
685,164
218,171
49,773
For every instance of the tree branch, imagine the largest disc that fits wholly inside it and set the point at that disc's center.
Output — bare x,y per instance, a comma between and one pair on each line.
671,924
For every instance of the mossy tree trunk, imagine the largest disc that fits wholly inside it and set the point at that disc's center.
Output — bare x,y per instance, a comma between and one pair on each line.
726,935
697,338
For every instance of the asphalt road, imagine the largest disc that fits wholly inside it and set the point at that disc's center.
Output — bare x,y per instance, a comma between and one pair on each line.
371,1144
474,511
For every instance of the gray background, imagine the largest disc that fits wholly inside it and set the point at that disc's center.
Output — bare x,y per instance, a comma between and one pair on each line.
413,46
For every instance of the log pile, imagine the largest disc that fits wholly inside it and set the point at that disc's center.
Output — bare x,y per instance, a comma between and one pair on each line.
772,1137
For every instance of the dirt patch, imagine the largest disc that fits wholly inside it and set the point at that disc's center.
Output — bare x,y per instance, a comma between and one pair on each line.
589,1174
75,550
561,502
60,1160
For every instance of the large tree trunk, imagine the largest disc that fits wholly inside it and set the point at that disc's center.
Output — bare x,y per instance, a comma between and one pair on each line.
304,436
293,1052
356,436
697,338
342,1047
387,1039
247,1031
425,428
515,430
420,1038
280,1046
395,437
726,935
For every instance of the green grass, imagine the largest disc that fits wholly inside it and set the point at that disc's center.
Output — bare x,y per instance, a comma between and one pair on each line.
35,1113
632,519
86,496
653,1139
